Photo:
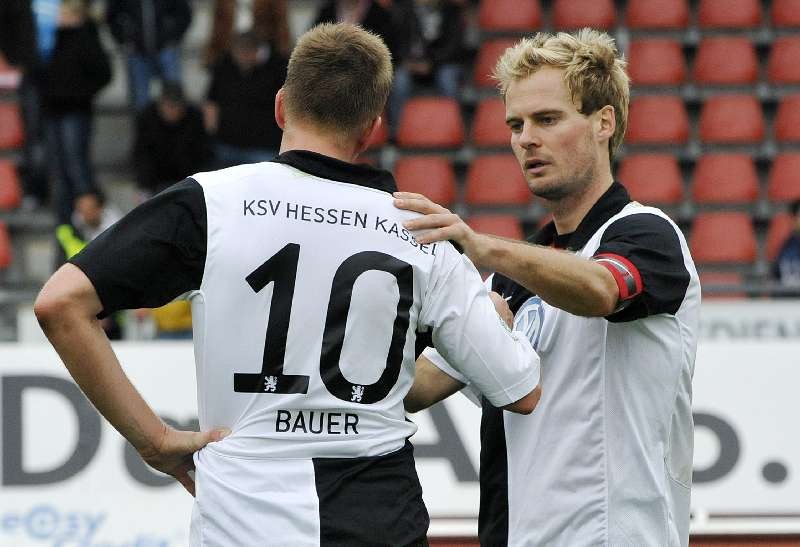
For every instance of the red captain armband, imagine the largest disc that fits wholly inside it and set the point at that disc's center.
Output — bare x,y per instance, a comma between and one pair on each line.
625,274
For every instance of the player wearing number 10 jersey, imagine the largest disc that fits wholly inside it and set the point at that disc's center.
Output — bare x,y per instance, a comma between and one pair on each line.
307,297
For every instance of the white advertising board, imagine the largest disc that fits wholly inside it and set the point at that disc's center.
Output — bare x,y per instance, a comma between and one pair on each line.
68,479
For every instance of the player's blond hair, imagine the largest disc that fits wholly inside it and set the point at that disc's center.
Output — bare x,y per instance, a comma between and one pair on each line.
594,72
339,78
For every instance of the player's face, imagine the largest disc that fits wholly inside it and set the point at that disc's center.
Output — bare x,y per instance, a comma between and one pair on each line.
552,141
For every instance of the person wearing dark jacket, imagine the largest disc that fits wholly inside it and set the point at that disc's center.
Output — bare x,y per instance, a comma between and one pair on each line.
149,32
786,270
171,142
240,107
78,69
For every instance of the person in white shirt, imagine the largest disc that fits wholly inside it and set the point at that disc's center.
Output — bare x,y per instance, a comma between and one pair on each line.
308,297
609,296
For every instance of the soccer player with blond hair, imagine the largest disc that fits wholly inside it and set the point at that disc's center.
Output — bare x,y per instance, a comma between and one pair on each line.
609,296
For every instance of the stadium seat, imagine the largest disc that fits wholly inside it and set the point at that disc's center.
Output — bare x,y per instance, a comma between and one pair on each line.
5,246
787,119
496,179
652,178
725,237
779,229
729,13
575,14
11,133
497,225
784,177
725,60
657,14
488,54
10,190
786,13
725,178
431,122
658,119
782,67
656,61
724,284
510,15
732,119
488,126
429,175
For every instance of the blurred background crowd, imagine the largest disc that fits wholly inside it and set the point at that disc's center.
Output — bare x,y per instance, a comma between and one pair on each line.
104,103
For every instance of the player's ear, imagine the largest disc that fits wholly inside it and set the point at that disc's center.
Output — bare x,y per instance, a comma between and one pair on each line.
368,134
280,116
606,122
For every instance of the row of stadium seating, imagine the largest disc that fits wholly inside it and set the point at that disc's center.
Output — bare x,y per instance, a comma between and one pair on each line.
525,15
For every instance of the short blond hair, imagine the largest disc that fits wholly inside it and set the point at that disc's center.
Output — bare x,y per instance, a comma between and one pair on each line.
339,78
594,72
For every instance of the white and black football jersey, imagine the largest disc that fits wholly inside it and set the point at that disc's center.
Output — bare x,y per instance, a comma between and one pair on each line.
307,296
606,457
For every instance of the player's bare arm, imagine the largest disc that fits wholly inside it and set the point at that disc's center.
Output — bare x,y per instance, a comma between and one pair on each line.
67,309
571,283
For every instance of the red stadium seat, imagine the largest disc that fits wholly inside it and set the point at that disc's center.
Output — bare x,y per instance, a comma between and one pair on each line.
658,14
488,54
725,178
489,126
432,176
784,177
786,13
729,13
660,119
496,180
725,60
497,225
782,67
732,119
723,237
779,229
10,190
652,178
787,120
510,15
656,61
574,14
5,247
11,133
431,122
724,283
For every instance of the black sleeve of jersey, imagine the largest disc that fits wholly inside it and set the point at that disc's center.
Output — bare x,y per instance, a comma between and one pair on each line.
651,244
151,256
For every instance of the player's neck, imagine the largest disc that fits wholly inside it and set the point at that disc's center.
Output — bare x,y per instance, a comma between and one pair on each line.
302,139
570,211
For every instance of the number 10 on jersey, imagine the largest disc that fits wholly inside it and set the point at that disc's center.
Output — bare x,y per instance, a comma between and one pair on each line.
281,269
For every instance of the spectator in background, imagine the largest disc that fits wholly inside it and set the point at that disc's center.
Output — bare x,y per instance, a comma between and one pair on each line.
90,218
239,111
429,44
18,44
787,265
171,142
149,32
268,19
77,70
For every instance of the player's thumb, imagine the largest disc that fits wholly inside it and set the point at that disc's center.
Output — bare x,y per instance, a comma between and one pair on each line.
214,435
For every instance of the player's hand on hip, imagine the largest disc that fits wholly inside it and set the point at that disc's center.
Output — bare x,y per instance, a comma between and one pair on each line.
438,224
173,455
501,305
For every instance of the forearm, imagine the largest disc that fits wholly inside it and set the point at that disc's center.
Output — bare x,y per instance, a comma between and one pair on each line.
562,279
71,326
431,385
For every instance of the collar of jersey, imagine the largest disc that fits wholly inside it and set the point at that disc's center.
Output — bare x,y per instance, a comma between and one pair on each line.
609,204
332,169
